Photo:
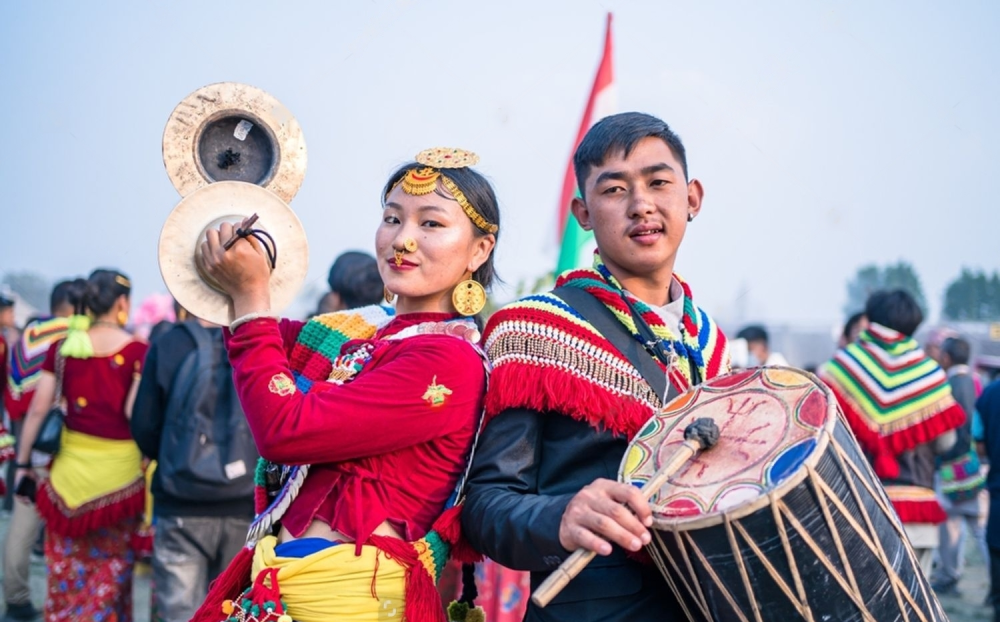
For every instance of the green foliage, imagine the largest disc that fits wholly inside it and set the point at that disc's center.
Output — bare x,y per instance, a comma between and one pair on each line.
973,296
872,278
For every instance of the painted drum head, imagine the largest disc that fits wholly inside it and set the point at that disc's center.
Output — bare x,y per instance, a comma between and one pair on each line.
234,132
209,207
774,423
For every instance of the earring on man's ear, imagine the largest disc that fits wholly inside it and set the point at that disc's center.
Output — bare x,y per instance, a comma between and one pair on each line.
468,297
389,296
690,217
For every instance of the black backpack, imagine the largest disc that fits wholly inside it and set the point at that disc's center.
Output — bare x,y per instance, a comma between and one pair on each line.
206,452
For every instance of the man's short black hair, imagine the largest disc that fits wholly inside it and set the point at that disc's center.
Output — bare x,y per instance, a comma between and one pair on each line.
851,324
622,132
354,276
753,333
957,349
895,309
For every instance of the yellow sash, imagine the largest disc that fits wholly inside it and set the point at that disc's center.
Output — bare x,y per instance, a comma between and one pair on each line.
89,467
334,584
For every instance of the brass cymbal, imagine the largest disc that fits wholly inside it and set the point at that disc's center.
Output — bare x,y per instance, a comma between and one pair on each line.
234,132
207,208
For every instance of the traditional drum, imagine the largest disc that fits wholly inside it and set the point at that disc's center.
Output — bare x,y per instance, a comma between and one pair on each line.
783,519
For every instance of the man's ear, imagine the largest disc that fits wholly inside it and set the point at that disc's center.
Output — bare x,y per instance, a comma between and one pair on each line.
579,209
695,195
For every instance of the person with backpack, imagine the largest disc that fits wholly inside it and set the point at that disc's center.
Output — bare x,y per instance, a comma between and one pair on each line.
188,418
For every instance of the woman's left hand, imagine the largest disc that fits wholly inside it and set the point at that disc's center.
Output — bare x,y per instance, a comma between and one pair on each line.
243,271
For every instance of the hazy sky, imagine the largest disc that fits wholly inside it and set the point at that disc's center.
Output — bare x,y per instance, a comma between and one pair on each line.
827,135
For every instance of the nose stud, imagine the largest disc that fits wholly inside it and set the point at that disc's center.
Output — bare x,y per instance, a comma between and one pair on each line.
409,246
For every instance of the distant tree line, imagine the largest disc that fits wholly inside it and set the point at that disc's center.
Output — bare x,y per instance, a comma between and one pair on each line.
971,296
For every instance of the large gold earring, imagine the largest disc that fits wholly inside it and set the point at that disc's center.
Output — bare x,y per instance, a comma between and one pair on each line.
389,296
122,318
469,297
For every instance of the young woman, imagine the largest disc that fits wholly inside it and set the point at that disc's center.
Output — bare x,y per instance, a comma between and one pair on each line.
385,422
93,498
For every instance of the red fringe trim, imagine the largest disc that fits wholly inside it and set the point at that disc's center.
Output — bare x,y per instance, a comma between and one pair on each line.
423,602
227,586
552,390
449,527
129,502
885,449
920,512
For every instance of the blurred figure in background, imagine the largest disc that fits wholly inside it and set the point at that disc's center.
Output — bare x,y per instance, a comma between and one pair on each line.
855,325
902,426
354,282
759,347
959,477
93,499
27,357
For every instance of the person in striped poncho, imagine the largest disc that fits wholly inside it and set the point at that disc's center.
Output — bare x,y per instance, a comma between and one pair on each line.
899,405
564,402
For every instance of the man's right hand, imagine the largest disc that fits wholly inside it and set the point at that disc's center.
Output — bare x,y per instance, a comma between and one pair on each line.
601,514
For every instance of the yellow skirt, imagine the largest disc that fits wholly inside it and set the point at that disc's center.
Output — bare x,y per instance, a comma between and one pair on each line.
336,584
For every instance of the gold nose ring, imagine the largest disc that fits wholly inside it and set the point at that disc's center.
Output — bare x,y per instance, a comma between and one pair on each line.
410,245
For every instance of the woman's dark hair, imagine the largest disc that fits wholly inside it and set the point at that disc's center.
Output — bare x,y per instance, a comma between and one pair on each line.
895,309
480,195
68,292
103,288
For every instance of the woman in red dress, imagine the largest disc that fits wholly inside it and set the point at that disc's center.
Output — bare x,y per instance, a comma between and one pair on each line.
370,413
93,498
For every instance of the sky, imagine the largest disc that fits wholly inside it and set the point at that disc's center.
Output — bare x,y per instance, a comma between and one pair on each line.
827,135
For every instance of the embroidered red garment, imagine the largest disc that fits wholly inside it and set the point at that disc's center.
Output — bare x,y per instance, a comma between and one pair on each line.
387,446
96,389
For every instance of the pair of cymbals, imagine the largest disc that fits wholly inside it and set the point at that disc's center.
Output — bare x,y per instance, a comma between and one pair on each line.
231,150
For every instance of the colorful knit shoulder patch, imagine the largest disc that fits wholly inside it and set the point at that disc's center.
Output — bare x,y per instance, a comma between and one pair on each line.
547,357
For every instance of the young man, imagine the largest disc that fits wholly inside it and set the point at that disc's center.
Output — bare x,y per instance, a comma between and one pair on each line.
564,402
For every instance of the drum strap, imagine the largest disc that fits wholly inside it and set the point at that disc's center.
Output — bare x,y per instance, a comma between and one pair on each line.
601,318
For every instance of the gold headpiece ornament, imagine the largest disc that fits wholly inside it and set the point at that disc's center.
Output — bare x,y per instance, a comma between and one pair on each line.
421,181
122,281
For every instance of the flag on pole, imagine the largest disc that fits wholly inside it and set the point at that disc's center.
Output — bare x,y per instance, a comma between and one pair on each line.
575,244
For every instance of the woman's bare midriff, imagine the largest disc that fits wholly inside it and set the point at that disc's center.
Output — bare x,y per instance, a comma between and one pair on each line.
319,529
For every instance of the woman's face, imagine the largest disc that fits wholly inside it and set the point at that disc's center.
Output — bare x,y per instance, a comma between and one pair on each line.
447,249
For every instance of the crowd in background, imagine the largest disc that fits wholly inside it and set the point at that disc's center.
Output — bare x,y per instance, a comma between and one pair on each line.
103,502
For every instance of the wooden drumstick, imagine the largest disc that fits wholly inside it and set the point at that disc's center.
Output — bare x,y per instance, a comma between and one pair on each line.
246,224
700,435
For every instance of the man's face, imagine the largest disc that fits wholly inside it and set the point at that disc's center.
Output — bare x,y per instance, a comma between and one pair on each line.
7,317
759,351
638,209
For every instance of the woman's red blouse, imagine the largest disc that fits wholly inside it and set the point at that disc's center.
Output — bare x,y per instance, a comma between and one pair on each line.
96,388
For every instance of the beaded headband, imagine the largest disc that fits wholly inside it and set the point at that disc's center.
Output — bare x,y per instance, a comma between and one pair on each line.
420,181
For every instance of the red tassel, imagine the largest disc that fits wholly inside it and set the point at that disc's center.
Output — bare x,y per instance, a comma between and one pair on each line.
549,389
227,586
259,499
423,603
929,511
103,512
886,466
